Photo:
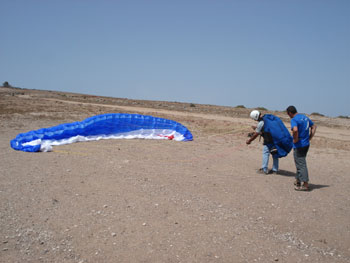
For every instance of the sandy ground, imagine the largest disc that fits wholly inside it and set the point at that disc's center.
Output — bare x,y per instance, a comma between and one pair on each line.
166,201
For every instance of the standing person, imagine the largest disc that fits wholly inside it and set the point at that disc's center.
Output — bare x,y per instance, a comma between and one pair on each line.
259,130
303,129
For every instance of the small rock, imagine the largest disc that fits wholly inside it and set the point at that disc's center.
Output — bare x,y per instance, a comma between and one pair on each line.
113,234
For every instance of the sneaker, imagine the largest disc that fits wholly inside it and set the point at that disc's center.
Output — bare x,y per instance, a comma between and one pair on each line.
262,171
302,188
297,183
273,172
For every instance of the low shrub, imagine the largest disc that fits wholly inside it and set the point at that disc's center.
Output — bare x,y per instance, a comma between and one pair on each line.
240,107
317,114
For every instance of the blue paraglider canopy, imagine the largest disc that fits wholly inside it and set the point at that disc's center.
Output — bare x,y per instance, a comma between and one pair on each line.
105,126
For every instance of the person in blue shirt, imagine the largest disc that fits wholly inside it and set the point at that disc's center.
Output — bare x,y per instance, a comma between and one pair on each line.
303,129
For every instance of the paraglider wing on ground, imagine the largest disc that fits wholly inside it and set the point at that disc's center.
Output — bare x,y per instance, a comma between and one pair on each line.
105,126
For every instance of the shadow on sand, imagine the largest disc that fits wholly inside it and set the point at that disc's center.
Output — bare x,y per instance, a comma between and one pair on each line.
286,173
311,186
317,186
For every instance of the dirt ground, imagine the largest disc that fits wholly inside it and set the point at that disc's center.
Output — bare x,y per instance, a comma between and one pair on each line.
166,201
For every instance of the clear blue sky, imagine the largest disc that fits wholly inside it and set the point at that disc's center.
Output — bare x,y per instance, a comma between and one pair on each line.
255,53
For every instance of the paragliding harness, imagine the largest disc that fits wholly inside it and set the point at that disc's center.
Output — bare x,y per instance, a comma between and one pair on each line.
276,136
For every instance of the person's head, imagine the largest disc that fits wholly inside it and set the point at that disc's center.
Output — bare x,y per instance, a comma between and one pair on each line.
291,111
255,115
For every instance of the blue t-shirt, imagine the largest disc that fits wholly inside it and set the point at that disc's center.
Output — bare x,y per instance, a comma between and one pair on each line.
303,123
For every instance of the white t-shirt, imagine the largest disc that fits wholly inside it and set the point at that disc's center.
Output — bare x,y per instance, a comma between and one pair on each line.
259,127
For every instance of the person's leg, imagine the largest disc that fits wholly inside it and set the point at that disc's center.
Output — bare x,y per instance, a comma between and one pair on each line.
300,163
265,159
296,161
275,164
304,174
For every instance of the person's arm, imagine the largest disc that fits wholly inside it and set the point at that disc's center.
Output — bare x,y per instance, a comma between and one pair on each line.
312,131
256,134
295,134
258,131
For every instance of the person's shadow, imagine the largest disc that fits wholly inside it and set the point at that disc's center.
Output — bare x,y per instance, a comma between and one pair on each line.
317,186
292,174
286,173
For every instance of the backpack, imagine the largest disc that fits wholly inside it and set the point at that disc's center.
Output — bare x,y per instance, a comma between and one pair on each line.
280,142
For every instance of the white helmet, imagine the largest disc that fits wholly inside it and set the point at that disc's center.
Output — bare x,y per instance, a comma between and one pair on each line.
255,114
